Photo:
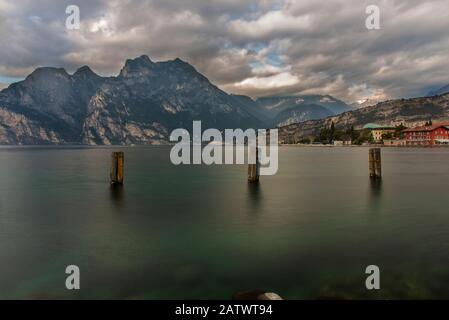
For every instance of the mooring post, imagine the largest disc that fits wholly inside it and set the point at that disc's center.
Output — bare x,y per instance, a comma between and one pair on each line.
117,164
375,163
253,168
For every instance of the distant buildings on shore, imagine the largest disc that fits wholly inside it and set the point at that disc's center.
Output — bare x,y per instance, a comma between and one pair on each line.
421,134
430,134
379,132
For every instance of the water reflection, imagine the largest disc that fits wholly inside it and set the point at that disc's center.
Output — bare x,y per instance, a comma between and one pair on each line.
376,187
254,194
375,193
117,194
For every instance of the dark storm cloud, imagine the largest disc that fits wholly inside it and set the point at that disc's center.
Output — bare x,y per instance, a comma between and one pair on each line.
255,47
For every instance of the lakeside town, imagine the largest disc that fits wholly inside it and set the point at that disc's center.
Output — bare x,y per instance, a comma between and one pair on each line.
426,134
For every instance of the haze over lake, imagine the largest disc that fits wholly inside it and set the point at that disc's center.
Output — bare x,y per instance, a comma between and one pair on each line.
203,232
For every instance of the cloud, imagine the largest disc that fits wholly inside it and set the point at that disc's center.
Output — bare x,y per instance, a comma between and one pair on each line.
271,24
254,47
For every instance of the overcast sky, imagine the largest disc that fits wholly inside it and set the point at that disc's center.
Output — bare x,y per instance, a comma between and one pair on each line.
251,47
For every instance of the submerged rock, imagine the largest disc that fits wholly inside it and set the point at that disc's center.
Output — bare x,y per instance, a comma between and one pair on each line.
256,295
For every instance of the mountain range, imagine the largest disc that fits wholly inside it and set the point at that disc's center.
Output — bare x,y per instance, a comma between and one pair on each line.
141,105
147,100
292,109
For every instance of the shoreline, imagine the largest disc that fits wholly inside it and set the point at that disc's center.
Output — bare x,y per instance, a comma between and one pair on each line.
82,146
362,146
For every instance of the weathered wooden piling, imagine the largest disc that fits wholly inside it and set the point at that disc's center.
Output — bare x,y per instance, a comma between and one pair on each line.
375,163
117,164
254,168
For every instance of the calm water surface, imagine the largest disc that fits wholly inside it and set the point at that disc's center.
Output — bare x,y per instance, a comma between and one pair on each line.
203,232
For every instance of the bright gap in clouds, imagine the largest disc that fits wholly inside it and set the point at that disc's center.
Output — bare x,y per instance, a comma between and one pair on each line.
279,80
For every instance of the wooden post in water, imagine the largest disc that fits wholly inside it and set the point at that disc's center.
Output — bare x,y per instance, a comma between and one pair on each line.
375,163
117,164
253,168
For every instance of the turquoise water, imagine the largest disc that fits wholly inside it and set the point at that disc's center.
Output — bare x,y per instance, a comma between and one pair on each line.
203,232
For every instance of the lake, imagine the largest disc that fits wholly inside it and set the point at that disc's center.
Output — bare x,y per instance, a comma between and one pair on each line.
203,232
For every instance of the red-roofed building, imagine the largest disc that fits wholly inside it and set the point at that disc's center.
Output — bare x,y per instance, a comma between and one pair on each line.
435,134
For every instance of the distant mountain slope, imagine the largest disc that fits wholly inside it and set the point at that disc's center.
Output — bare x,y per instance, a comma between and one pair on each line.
302,113
275,105
289,109
366,103
407,111
438,92
252,107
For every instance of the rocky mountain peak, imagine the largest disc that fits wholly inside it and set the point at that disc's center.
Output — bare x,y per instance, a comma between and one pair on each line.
144,58
85,72
137,67
181,63
46,73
